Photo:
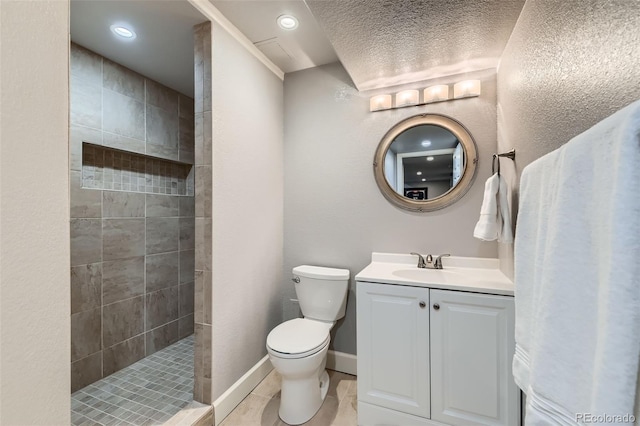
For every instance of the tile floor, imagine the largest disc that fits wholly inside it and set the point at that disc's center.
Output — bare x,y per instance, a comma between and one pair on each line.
260,407
148,392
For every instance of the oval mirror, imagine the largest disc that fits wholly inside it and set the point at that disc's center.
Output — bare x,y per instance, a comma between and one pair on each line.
425,163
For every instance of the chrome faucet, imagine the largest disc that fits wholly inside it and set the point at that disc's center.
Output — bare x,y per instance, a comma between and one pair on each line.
428,263
422,264
438,263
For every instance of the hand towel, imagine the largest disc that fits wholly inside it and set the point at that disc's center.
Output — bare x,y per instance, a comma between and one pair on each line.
495,217
577,276
487,226
505,234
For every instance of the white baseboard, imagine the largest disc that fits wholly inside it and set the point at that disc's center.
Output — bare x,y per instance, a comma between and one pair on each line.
233,396
194,414
343,362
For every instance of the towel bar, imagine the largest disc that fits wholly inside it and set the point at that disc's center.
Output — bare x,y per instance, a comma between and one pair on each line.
509,154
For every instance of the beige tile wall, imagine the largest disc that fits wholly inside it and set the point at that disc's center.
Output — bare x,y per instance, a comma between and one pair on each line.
132,261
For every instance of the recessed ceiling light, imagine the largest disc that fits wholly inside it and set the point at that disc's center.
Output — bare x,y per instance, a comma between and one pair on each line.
424,180
426,143
429,158
122,31
287,22
419,173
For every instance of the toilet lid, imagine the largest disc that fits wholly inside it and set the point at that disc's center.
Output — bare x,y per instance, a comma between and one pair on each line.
298,335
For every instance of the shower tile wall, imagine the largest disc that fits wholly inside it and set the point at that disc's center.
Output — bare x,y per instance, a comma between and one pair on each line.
203,188
132,253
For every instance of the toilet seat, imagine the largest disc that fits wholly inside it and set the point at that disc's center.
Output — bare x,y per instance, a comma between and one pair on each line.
298,338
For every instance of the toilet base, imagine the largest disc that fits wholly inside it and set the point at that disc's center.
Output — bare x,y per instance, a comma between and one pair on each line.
324,384
305,384
308,395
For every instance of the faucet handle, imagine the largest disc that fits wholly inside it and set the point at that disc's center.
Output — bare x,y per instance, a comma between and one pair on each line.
438,262
421,263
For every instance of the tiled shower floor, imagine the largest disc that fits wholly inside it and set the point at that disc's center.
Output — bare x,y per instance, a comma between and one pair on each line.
148,392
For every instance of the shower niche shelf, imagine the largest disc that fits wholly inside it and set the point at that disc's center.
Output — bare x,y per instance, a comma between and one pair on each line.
112,169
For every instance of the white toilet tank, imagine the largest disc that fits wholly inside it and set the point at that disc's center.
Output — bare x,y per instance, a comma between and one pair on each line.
322,292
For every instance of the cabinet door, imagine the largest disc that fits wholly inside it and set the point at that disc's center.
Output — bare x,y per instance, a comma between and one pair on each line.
472,345
393,347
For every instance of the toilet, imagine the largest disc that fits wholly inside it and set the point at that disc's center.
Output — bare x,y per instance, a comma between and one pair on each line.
298,348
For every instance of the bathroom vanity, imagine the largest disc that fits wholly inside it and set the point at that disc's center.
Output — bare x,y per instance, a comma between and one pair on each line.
435,346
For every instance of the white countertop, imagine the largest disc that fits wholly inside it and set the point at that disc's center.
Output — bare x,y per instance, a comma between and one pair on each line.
479,275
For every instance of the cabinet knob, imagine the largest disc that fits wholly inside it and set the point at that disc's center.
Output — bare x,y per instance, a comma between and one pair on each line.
422,305
436,306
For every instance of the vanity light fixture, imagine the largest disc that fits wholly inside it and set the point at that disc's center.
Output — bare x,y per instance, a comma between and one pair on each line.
123,32
430,158
380,102
436,93
287,22
466,89
407,98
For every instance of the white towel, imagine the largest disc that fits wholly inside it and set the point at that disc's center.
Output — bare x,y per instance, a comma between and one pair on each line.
495,216
577,276
506,234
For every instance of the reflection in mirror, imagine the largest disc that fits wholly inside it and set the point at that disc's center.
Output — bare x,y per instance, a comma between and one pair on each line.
424,162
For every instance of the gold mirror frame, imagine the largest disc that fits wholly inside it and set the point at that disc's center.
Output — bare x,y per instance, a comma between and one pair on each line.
449,197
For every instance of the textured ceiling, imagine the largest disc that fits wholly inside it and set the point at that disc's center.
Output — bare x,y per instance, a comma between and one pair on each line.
384,43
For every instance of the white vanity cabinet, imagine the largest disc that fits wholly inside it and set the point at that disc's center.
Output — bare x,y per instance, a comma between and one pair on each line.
434,356
472,345
393,347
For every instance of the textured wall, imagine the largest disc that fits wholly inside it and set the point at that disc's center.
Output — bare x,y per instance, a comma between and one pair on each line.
334,213
568,65
132,253
34,214
247,208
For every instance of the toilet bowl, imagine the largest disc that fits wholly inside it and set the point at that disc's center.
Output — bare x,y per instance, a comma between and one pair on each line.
304,379
298,348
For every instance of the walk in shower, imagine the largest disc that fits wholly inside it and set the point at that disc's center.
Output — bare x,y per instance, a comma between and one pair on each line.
133,226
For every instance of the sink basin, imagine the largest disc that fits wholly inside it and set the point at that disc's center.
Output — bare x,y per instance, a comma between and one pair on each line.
428,275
